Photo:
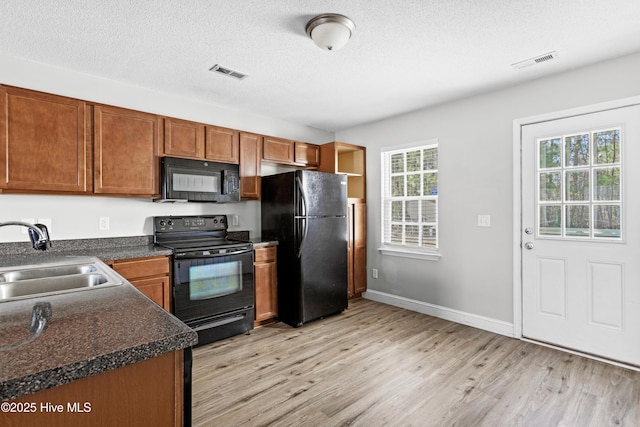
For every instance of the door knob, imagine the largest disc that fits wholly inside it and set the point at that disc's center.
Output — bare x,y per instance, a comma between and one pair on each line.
528,230
528,245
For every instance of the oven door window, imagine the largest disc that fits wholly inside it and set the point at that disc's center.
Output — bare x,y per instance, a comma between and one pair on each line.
204,287
215,280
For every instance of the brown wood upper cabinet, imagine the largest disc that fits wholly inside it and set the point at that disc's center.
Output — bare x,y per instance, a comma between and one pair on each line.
45,142
222,145
307,154
198,141
278,150
126,152
183,138
340,157
250,160
289,152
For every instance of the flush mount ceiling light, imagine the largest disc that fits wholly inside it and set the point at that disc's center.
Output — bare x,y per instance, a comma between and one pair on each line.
330,31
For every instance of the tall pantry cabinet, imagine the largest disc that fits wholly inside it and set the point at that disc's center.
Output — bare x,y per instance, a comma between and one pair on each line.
340,157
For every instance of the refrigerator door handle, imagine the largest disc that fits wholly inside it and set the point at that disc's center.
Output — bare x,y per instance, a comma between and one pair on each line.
303,197
305,227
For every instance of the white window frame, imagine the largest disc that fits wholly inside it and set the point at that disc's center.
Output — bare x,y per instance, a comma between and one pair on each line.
406,251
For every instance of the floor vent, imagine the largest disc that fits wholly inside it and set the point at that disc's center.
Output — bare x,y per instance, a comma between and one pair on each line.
536,60
228,72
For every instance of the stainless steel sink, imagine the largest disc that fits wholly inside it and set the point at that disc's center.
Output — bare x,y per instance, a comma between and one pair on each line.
57,270
55,278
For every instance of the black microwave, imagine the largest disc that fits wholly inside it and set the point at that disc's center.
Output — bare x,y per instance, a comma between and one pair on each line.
187,180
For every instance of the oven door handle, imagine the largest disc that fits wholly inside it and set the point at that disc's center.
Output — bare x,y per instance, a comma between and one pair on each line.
183,255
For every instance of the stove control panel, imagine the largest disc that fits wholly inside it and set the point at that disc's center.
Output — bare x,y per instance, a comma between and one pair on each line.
189,223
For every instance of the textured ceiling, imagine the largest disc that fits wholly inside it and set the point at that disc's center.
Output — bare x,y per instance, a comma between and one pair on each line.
404,55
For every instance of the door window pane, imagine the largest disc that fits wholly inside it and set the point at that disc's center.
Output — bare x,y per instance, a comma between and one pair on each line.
577,221
607,184
607,146
577,184
551,186
550,153
576,149
607,221
550,220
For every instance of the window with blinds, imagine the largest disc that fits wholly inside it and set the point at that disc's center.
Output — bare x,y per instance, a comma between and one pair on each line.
410,197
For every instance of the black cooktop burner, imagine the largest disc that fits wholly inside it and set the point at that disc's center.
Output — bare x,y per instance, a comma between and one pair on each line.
194,233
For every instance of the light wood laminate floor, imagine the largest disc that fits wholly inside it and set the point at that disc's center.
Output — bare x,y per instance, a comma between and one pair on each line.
378,365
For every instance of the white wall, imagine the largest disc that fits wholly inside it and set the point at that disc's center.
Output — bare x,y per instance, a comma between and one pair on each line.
77,216
474,274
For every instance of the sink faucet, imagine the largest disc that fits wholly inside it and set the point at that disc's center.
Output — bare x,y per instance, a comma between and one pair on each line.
38,234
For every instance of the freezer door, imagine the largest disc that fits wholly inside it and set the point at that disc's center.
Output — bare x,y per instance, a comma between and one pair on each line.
323,268
321,194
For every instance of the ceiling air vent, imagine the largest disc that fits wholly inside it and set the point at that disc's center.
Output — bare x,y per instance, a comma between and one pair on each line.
228,72
536,60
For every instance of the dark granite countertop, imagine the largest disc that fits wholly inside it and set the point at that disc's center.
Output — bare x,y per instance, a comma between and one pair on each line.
90,331
257,243
107,249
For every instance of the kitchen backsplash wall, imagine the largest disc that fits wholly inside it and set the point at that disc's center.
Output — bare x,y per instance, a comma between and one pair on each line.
79,217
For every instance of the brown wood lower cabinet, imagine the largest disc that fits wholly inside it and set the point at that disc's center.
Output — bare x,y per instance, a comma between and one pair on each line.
266,284
149,275
147,393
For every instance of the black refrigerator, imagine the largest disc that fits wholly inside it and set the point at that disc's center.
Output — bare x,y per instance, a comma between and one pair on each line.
306,212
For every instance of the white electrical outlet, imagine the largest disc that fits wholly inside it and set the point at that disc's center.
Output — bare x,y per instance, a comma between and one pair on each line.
374,272
234,220
25,230
104,223
484,220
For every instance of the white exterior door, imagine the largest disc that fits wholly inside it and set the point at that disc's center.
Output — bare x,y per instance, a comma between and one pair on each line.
581,233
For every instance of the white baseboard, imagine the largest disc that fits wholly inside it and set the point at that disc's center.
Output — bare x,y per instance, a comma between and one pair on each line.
480,322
